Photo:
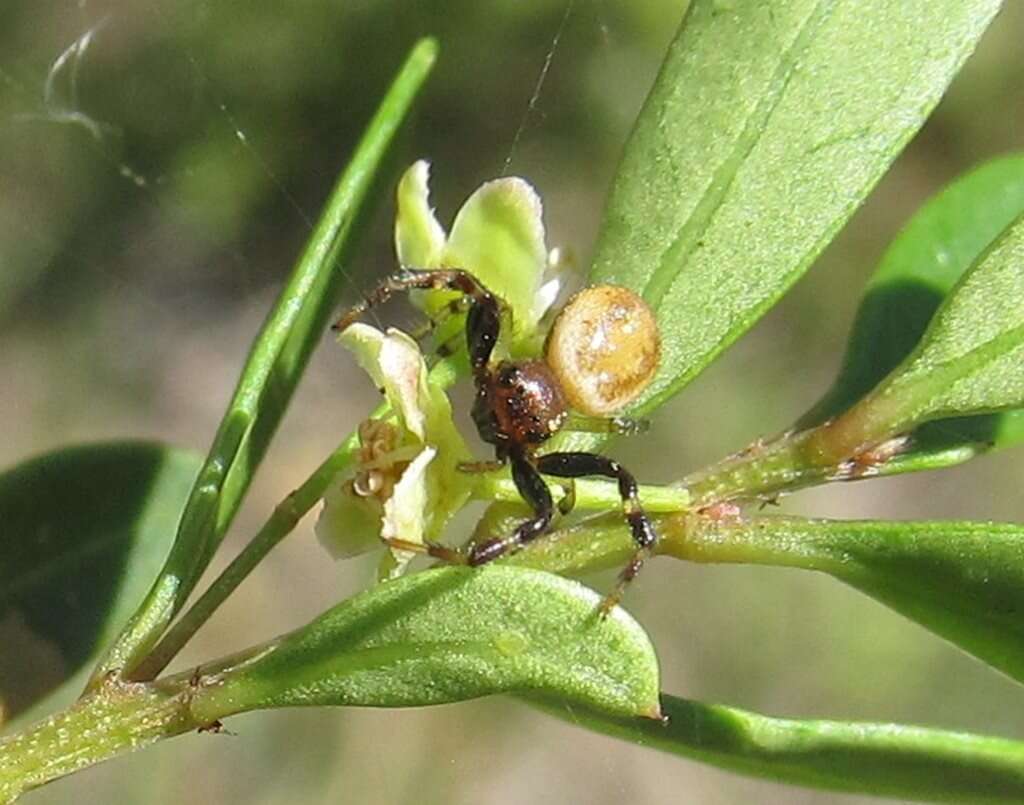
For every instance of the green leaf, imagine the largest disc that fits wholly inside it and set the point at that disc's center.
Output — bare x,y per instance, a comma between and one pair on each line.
754,147
924,262
85,531
961,580
969,361
277,359
917,272
446,635
892,760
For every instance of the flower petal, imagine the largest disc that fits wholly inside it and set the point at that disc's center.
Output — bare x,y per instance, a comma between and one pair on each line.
419,238
405,380
348,525
395,363
498,236
404,511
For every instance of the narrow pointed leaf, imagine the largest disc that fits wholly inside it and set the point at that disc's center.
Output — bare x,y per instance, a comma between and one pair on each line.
451,634
84,532
767,127
969,361
917,272
962,580
890,760
276,362
929,256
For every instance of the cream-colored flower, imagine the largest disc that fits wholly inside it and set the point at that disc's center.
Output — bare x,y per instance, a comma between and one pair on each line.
407,484
497,235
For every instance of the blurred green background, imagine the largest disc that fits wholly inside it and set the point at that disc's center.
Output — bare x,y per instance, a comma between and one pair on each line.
154,193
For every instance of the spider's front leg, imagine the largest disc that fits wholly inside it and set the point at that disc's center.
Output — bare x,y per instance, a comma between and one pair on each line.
484,309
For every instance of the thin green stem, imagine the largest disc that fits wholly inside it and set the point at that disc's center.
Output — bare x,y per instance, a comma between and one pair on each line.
597,495
272,370
285,518
282,521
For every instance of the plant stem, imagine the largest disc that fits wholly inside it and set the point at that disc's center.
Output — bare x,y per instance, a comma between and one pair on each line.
272,370
282,521
601,495
115,717
706,536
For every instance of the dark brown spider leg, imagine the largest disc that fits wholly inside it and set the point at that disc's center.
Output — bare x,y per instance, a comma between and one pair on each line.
535,492
576,465
482,321
464,304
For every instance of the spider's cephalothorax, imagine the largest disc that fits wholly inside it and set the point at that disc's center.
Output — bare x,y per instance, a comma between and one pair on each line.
602,352
519,404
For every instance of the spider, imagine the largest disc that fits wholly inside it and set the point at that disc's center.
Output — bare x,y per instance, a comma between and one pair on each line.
602,351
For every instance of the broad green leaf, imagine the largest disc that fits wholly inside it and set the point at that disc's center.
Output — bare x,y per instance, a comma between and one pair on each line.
84,532
969,361
277,359
446,635
767,127
890,760
961,580
917,272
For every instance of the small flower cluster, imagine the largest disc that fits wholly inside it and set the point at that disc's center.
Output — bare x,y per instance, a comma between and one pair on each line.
407,484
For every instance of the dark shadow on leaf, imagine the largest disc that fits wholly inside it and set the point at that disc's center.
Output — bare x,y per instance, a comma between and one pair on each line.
889,324
80,527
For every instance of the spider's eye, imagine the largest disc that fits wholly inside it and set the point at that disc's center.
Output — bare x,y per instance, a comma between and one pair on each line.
604,348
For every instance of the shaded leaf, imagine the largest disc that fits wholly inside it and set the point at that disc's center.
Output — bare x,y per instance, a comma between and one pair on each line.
969,361
451,634
85,531
892,760
920,267
756,144
917,272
